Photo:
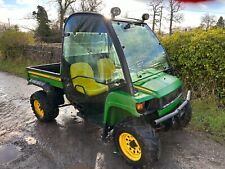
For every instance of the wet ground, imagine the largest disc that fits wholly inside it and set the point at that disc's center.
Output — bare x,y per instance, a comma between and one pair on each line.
71,143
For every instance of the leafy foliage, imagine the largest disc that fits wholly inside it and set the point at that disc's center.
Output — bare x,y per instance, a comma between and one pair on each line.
220,23
199,59
43,30
12,42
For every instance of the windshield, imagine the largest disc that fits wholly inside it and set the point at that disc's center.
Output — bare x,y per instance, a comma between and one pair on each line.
144,54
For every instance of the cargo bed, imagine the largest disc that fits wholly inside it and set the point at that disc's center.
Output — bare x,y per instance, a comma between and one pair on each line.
49,73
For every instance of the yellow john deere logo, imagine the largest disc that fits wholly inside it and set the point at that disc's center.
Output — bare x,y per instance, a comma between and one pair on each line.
46,76
143,89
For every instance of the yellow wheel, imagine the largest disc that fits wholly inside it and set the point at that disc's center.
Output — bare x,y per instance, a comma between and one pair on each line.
137,143
38,109
42,107
130,146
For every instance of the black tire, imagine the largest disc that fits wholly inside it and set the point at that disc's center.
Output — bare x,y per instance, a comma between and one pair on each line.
184,120
48,109
147,139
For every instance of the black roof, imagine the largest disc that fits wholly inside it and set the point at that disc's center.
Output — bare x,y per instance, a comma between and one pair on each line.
115,19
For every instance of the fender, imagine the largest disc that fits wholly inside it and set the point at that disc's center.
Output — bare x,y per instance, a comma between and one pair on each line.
55,94
45,86
119,105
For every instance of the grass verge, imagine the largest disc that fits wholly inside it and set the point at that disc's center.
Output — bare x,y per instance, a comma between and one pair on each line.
209,118
16,66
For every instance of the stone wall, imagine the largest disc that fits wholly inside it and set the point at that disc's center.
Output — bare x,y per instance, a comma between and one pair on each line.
44,53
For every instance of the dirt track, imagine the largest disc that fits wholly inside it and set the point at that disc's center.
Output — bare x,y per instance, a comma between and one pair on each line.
71,143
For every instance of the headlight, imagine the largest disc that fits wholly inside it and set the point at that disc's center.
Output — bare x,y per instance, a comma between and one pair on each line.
140,107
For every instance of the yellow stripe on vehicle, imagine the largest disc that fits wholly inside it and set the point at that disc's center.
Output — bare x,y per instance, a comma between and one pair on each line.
46,76
143,89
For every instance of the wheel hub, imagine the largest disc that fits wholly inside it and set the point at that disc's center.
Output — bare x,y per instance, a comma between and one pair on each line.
38,109
130,146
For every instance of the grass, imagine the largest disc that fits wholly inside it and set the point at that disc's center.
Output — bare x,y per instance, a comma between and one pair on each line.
16,66
209,118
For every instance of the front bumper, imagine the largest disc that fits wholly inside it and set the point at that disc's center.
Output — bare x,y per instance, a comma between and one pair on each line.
176,112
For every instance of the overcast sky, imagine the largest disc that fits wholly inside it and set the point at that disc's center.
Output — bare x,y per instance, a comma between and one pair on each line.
16,10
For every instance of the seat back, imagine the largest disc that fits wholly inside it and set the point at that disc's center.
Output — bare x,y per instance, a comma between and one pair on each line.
81,69
105,69
83,80
81,73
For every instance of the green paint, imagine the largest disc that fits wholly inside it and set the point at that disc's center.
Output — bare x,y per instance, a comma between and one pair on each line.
141,97
51,82
160,85
118,106
169,108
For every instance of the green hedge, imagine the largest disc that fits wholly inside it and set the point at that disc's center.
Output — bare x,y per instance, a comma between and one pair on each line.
12,42
199,59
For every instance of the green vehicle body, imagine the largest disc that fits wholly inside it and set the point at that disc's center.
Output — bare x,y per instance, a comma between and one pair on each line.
146,92
120,100
45,76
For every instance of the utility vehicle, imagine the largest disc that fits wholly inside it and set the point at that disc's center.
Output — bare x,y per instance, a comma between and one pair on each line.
117,74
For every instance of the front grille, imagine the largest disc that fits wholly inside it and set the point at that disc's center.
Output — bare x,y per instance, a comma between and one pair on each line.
166,100
156,104
153,104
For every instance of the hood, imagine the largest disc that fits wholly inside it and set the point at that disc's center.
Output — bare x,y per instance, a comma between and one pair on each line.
158,85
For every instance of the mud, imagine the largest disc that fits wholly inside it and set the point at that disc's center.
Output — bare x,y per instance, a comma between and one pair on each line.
72,143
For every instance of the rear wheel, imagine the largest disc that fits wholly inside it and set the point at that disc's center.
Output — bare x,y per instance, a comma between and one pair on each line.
137,143
42,106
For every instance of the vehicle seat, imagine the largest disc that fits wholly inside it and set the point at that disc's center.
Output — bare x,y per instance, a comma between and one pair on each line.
106,69
83,80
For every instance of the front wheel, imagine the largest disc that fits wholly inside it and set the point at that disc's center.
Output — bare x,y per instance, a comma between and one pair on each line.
42,107
138,144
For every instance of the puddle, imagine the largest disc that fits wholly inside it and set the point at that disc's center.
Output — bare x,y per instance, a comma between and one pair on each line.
9,153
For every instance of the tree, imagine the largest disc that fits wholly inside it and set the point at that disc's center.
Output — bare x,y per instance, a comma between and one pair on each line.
56,34
220,23
156,6
160,20
208,21
43,30
174,16
90,5
63,6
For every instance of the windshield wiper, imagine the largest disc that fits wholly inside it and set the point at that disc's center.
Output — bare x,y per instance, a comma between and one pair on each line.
156,65
138,64
145,71
128,25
